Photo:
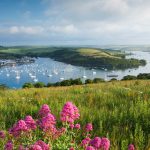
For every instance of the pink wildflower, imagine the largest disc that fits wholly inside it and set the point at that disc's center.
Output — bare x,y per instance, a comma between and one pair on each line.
44,111
59,133
105,144
35,147
71,126
71,148
69,113
131,147
9,146
48,123
89,127
85,142
43,145
77,126
63,130
96,142
31,124
22,148
90,148
18,128
2,134
76,112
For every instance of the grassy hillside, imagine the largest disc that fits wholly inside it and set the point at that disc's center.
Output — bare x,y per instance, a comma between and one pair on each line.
118,110
87,57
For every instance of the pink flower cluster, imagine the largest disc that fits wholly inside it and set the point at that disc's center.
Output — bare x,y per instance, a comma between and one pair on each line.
18,128
46,123
85,142
69,113
40,145
131,147
8,146
31,124
23,126
89,127
90,148
2,134
44,111
96,144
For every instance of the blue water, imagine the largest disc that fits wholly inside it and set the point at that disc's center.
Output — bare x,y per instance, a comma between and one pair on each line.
47,70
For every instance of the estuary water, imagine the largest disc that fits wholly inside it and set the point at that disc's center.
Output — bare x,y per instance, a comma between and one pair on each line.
47,70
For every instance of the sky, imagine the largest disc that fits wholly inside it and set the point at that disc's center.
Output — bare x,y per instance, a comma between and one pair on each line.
74,22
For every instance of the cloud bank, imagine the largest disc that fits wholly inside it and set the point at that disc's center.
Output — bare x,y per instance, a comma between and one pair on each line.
85,22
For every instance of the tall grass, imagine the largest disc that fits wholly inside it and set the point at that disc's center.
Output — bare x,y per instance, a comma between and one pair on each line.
120,110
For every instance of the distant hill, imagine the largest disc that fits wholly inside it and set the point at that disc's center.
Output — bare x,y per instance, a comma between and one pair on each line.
86,57
1,47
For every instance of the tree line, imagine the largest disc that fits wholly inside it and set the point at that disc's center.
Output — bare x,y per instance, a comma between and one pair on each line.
78,81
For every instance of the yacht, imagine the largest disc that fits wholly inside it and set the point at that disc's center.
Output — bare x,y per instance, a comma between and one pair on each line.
35,80
112,75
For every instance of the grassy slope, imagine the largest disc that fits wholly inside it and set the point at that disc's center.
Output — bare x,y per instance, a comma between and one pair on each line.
95,53
118,109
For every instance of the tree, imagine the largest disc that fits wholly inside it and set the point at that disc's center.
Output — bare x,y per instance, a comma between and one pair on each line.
28,85
39,85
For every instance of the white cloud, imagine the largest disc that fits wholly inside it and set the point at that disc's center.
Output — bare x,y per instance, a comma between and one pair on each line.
41,30
67,29
14,30
25,30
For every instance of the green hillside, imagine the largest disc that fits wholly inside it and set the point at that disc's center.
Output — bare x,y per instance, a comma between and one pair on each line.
87,57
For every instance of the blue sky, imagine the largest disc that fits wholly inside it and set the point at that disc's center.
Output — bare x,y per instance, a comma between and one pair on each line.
74,22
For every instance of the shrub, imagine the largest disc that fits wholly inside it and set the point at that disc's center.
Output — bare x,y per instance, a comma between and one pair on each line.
129,77
98,80
76,81
143,76
113,79
28,85
88,81
49,84
65,83
39,85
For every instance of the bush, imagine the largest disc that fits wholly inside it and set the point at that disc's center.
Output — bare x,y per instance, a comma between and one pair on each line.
98,80
88,81
76,81
49,84
143,76
28,85
65,83
113,79
39,85
129,77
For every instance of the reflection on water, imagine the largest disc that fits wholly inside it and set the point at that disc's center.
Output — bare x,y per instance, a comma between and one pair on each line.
47,70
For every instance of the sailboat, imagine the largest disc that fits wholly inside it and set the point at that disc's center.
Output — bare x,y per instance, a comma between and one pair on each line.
84,76
18,75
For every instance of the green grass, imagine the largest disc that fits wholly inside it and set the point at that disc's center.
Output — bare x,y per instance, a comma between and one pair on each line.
119,110
98,53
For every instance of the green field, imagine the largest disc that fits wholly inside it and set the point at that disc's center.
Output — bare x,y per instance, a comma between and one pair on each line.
119,110
87,57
